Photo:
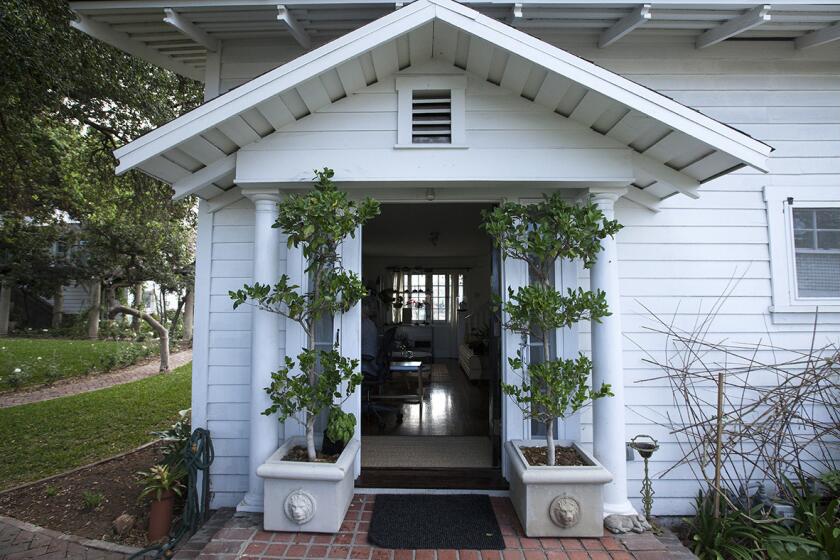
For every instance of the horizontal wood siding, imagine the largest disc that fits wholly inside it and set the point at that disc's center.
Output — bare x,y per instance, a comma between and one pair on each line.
675,263
229,351
76,298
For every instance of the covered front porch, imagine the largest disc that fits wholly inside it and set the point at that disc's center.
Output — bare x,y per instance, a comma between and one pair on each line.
271,332
525,119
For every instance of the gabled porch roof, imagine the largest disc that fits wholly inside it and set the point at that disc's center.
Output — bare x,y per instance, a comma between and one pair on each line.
676,148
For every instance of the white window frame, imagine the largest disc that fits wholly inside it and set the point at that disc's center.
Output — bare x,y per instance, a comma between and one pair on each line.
406,85
788,306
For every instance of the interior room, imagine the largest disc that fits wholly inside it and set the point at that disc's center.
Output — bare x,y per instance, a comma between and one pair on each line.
428,351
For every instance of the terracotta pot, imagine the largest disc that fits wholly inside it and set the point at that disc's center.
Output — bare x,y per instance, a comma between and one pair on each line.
160,516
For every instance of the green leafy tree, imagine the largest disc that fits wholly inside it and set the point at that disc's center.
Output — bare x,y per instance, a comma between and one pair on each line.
66,101
317,222
540,234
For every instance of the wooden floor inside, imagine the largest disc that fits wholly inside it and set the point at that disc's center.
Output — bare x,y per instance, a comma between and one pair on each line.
453,406
410,454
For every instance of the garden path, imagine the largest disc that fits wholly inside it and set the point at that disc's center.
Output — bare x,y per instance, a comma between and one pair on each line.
24,541
93,382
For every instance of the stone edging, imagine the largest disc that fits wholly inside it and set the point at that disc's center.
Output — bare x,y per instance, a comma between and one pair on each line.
87,543
77,469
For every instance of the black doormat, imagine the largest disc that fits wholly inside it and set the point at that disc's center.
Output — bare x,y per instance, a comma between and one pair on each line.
418,521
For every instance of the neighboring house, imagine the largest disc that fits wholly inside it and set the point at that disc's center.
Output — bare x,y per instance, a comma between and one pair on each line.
710,130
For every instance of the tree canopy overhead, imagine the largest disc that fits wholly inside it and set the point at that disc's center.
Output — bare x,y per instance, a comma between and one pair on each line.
66,102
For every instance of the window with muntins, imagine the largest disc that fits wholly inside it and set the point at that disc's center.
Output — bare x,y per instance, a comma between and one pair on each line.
816,239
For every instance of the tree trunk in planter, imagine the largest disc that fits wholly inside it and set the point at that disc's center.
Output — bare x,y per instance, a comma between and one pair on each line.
159,329
93,314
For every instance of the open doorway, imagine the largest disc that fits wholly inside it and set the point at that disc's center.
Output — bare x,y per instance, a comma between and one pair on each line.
431,361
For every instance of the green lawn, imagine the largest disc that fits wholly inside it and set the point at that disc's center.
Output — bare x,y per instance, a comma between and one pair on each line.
50,437
42,360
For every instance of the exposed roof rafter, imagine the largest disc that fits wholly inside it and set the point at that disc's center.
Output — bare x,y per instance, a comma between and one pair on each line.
297,31
186,27
123,42
819,37
753,18
204,177
635,19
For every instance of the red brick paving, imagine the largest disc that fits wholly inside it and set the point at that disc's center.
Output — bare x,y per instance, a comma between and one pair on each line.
242,537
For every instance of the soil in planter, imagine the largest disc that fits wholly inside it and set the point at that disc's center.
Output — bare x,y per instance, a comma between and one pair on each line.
563,456
298,453
59,503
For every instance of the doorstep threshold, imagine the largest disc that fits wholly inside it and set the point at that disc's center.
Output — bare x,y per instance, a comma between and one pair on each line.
406,478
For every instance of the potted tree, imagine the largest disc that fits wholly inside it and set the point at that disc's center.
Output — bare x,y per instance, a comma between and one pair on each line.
305,490
556,489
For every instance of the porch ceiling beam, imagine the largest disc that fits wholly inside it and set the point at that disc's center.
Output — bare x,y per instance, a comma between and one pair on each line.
642,198
294,27
664,174
225,199
189,29
124,43
819,37
753,18
635,19
204,177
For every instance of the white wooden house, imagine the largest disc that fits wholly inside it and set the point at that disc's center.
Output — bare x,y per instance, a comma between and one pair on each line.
701,126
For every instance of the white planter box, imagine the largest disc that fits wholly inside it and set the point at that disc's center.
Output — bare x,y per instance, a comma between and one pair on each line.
308,497
557,501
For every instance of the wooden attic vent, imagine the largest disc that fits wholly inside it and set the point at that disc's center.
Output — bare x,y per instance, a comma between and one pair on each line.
431,116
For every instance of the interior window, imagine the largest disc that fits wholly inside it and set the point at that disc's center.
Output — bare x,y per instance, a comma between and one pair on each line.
439,297
816,233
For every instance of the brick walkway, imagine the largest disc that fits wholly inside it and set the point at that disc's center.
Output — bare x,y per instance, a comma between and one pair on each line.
93,382
24,541
242,537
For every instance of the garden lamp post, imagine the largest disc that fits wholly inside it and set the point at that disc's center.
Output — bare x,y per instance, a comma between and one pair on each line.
645,445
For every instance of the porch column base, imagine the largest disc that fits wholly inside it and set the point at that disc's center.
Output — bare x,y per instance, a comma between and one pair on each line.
251,504
625,508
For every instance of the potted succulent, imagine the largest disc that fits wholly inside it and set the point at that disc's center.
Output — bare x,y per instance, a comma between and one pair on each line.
556,489
305,490
162,483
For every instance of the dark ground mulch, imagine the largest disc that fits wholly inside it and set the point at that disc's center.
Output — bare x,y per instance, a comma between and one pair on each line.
563,456
58,504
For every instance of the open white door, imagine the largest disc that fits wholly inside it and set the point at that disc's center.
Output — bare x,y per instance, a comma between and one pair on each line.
350,331
514,424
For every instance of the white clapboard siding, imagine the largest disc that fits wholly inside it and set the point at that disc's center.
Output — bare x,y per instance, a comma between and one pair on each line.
674,263
76,299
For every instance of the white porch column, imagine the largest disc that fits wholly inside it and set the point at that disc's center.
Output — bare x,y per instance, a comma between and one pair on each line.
607,367
265,347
